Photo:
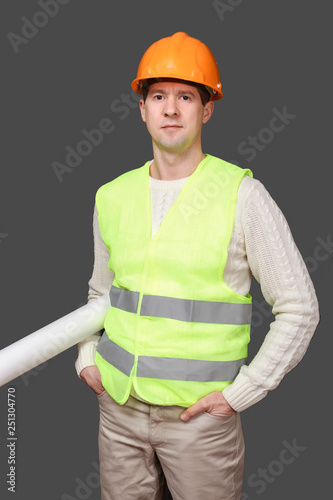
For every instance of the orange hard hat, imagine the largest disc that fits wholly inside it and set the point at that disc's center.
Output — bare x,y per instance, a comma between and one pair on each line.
181,57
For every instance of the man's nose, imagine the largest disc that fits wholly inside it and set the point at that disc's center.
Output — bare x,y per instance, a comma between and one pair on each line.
171,107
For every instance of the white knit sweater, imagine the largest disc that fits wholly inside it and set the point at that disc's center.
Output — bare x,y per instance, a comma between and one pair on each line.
261,245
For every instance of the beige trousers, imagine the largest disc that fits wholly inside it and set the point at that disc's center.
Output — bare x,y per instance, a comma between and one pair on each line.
140,445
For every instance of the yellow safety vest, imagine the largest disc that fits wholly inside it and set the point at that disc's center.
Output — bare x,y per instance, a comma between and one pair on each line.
175,330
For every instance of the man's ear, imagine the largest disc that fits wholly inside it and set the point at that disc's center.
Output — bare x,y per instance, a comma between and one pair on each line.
143,110
208,111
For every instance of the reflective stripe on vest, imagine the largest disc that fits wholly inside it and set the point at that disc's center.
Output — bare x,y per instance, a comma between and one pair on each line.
124,299
116,355
168,368
198,311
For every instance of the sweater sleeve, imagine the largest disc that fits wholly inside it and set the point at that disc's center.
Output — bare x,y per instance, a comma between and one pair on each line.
276,263
99,284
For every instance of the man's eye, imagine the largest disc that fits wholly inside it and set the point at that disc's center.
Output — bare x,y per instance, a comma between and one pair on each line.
185,97
158,97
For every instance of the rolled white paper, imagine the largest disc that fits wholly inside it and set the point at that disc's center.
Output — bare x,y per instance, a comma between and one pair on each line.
44,344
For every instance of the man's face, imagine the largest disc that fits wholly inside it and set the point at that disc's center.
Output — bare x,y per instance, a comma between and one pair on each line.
174,115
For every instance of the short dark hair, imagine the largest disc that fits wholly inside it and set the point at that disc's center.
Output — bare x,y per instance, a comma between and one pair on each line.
204,93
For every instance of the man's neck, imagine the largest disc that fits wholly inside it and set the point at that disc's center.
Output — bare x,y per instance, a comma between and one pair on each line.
169,166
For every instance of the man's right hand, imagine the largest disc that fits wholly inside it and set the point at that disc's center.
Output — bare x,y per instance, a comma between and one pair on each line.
92,377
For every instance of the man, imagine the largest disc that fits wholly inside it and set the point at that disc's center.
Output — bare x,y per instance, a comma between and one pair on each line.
179,240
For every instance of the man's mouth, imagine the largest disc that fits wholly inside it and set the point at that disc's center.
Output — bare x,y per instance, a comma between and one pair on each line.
171,126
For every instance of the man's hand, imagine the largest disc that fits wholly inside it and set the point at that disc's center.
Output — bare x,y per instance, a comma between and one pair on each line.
92,377
214,403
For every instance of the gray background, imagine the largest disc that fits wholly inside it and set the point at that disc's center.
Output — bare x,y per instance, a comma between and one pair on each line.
270,54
